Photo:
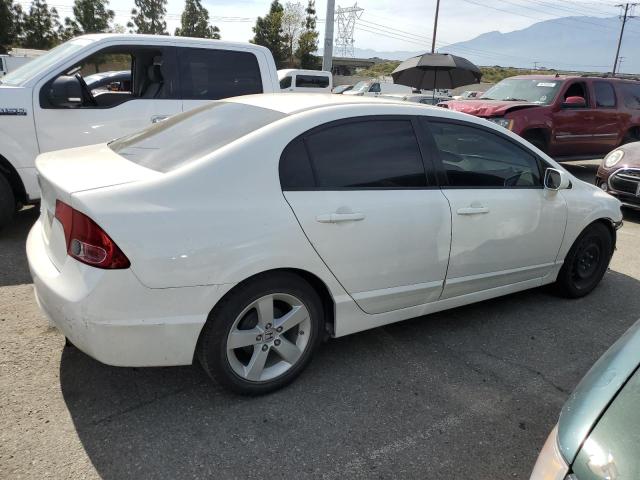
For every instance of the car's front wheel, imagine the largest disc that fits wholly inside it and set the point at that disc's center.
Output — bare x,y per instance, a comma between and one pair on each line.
262,334
586,263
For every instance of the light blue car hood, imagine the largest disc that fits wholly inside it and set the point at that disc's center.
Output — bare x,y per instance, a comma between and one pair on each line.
595,392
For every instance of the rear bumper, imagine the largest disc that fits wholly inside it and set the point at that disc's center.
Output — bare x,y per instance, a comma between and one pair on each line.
112,317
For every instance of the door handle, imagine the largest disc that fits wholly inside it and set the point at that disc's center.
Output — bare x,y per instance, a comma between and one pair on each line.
159,118
340,217
472,210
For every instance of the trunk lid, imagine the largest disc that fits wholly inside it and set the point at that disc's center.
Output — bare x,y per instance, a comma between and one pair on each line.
65,172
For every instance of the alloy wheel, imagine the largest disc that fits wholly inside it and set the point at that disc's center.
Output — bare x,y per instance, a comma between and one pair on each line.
268,337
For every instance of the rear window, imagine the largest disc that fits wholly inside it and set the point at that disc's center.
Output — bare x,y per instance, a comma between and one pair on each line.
189,136
631,94
312,81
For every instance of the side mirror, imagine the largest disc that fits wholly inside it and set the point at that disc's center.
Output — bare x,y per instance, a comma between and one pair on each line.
574,102
555,179
66,92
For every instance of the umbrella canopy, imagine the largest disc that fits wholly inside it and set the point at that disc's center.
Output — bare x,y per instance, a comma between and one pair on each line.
436,70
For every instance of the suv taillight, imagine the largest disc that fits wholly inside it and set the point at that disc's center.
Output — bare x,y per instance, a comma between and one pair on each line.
87,242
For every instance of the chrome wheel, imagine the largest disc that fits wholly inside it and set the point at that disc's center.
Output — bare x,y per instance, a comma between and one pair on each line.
268,337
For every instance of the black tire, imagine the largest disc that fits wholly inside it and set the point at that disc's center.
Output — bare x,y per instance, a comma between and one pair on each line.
586,263
537,140
8,205
212,345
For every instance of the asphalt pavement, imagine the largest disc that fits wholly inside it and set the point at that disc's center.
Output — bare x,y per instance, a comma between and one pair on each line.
469,393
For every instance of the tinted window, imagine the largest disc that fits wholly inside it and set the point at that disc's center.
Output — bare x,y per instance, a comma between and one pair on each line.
473,157
375,88
285,82
312,81
631,94
605,97
295,168
213,74
368,153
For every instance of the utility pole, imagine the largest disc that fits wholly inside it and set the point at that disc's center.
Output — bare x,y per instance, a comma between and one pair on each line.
535,65
327,58
620,60
435,28
625,16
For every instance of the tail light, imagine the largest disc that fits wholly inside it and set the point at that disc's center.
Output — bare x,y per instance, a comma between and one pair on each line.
87,242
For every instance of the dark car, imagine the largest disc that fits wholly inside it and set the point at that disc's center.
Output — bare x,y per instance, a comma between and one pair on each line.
564,116
619,174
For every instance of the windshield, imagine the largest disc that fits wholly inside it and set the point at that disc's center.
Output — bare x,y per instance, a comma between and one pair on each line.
361,87
189,136
540,91
27,71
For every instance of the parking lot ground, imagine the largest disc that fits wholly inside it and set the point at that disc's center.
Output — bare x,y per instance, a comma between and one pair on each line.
467,393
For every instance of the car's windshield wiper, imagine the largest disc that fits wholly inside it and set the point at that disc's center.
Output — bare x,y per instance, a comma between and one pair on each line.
511,99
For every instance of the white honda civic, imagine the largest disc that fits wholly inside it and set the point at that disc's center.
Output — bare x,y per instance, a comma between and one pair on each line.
244,232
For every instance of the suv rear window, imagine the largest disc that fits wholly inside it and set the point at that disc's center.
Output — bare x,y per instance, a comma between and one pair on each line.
605,96
189,136
631,94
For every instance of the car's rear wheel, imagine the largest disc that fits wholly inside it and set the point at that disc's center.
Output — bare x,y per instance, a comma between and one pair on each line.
586,262
263,334
8,203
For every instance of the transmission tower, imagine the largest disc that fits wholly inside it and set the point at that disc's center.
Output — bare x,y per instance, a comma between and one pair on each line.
346,22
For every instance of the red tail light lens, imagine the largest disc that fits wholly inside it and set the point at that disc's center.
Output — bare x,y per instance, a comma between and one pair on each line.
87,242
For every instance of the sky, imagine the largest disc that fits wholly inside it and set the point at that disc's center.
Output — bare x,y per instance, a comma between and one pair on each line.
388,25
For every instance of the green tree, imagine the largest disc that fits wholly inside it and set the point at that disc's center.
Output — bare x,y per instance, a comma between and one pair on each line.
195,22
268,32
293,23
148,17
308,41
91,16
41,26
11,22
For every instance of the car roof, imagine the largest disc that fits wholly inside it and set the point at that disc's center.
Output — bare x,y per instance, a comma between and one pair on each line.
166,39
291,103
570,77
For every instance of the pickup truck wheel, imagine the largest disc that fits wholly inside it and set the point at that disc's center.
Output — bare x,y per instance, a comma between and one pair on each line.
586,263
7,202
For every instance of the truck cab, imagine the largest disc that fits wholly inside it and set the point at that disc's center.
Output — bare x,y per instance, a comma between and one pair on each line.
47,104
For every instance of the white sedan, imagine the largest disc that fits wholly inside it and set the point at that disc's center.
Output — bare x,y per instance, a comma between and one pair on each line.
244,232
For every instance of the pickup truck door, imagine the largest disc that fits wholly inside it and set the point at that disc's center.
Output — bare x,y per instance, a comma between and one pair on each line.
152,98
209,74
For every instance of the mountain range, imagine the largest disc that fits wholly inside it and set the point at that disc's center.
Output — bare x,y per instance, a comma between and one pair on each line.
568,43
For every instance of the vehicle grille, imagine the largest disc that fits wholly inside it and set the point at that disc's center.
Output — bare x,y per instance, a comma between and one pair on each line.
625,181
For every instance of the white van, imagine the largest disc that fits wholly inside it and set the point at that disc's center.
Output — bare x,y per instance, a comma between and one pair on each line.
308,81
374,88
47,105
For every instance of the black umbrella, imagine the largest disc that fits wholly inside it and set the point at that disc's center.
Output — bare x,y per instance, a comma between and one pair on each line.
436,70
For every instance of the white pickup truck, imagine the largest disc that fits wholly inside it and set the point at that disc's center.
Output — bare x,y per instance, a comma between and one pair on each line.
136,80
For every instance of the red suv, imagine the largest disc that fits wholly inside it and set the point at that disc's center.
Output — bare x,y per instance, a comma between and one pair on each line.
563,116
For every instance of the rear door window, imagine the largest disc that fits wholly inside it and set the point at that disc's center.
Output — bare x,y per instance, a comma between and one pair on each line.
359,154
605,96
209,74
631,95
312,81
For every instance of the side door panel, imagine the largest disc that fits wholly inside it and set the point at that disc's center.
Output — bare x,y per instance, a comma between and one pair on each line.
574,128
59,128
505,227
365,205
